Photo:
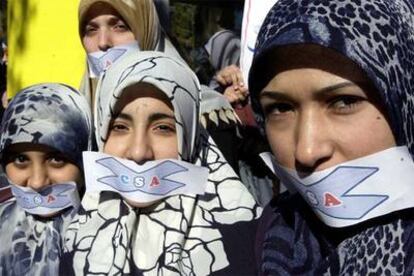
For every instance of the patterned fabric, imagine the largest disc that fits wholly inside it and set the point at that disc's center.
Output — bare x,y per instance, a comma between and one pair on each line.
378,35
180,86
30,245
54,115
293,241
181,235
50,114
224,49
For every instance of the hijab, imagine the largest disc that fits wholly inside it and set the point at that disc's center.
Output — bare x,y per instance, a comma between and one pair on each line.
53,115
141,16
378,36
181,87
49,114
180,235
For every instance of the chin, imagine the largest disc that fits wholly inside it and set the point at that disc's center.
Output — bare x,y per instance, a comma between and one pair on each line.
51,215
141,204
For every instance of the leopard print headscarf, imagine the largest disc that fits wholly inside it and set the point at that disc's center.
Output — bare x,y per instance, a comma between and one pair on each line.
378,35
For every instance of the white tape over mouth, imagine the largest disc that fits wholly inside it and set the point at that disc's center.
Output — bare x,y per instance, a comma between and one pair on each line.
356,190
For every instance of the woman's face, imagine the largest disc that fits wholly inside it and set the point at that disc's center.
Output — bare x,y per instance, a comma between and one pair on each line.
321,110
37,166
104,28
143,128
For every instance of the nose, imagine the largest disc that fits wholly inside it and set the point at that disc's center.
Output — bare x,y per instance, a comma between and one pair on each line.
104,40
313,144
140,149
39,178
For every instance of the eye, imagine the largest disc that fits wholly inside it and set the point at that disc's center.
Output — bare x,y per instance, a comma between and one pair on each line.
165,128
89,30
121,26
57,160
277,109
118,127
19,159
345,104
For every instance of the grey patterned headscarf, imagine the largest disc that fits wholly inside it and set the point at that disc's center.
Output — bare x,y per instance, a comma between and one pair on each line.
169,75
54,115
49,114
378,35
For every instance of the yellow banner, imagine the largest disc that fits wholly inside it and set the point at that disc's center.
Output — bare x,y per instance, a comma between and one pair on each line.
43,43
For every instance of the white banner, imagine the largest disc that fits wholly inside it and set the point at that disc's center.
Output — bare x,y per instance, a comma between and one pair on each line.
254,13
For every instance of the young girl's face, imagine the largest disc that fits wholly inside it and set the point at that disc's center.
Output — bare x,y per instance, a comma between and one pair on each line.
37,166
143,128
322,111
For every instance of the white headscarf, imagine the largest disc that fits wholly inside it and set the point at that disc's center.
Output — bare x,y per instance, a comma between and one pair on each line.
183,234
170,76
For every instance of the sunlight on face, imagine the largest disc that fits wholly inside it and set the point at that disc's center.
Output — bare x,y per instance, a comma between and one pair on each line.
104,28
38,166
321,110
144,127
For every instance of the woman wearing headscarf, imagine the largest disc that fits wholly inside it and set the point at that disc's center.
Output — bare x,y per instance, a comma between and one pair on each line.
134,24
110,29
334,81
43,133
147,110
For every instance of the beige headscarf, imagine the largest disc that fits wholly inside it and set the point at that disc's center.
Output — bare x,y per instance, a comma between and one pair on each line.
140,15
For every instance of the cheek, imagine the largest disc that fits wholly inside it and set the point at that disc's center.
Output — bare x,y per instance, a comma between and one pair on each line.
281,143
367,135
124,38
67,173
16,175
115,146
166,148
90,44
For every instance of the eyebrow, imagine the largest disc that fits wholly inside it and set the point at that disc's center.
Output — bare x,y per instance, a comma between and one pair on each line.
116,19
112,21
153,117
159,116
277,95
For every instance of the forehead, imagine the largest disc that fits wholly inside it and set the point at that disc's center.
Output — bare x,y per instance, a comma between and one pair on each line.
142,90
310,56
30,148
100,9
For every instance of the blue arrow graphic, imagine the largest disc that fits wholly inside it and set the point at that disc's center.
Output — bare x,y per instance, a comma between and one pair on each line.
151,181
54,198
332,194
